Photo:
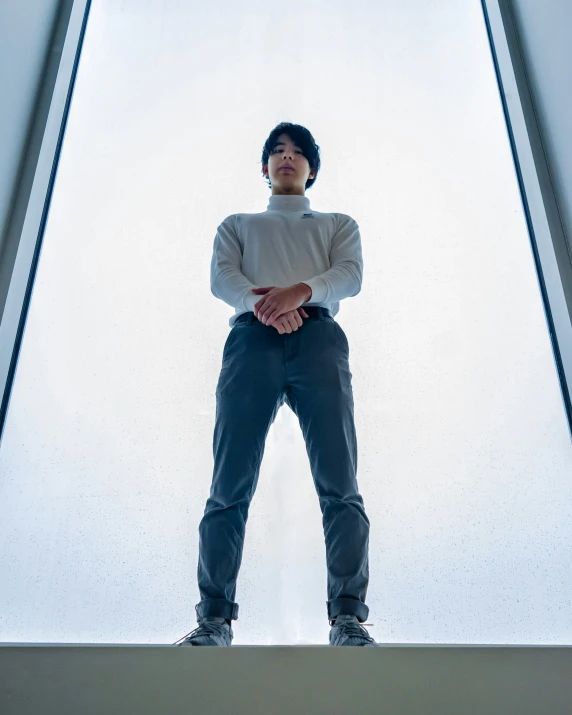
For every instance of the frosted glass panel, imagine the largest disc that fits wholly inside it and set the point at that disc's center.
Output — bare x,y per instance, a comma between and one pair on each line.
464,455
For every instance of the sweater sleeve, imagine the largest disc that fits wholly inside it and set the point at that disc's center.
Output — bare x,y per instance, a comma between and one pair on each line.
344,278
227,281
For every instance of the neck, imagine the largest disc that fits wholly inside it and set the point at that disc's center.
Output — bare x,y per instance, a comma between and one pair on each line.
288,202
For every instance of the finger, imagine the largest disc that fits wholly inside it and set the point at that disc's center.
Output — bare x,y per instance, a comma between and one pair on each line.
264,315
272,315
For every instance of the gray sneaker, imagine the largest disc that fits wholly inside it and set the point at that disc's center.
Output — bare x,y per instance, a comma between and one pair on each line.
211,631
347,630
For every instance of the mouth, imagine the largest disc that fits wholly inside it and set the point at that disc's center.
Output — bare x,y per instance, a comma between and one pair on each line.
286,168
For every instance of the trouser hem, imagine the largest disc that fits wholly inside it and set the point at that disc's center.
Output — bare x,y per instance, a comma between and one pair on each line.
347,607
217,607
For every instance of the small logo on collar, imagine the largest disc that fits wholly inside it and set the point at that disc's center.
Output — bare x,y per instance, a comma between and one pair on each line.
308,215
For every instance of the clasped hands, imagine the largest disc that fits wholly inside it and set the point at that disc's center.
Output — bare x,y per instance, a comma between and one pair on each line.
277,301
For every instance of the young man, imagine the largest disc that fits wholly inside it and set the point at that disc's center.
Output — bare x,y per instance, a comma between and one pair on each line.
300,258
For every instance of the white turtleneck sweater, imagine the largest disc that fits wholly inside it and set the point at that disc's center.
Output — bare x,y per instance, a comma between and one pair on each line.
286,244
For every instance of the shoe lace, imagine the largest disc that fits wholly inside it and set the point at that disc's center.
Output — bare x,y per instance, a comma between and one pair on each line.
353,628
206,628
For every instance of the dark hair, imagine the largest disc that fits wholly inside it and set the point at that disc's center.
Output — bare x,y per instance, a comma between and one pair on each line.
300,136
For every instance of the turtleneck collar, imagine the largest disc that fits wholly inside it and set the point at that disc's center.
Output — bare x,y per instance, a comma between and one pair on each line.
283,202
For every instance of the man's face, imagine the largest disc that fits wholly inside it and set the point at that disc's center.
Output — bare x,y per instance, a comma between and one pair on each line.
287,182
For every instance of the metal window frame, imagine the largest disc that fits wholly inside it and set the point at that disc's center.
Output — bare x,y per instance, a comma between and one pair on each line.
42,157
547,238
35,184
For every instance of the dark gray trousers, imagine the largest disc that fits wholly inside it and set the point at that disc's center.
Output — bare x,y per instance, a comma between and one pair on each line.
309,370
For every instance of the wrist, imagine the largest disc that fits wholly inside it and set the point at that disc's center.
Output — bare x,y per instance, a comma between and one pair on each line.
306,291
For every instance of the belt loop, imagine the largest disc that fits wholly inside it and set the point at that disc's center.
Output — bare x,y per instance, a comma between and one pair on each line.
250,318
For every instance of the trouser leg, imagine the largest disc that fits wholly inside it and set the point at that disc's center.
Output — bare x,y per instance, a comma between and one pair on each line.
320,393
248,396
